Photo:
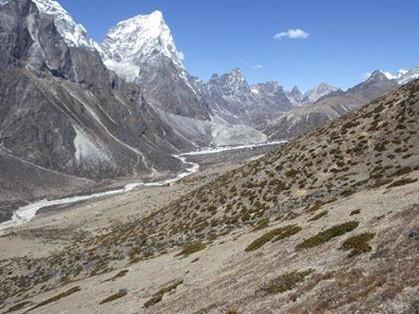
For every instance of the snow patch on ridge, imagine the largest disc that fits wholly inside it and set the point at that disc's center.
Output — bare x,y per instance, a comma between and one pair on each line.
75,35
403,76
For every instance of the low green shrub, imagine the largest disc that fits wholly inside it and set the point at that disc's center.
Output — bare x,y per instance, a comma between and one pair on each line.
158,296
320,215
56,298
274,235
121,274
191,248
327,235
113,297
285,282
355,212
358,244
402,182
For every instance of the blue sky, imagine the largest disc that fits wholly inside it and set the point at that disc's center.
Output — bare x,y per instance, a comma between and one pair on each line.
346,38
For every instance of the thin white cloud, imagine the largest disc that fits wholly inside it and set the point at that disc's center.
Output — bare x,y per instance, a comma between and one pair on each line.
257,67
297,33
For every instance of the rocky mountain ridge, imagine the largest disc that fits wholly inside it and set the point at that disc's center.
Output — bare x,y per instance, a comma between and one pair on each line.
74,116
329,107
142,50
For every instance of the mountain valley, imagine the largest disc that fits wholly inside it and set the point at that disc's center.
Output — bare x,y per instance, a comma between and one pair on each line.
128,185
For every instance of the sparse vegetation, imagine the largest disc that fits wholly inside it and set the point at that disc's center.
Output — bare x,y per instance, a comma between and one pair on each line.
358,244
191,248
285,282
330,164
18,306
115,296
355,212
320,215
327,235
158,296
274,235
402,182
121,274
56,298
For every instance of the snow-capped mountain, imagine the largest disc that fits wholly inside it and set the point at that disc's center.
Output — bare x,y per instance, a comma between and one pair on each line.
377,76
75,35
403,76
132,43
142,49
75,117
318,92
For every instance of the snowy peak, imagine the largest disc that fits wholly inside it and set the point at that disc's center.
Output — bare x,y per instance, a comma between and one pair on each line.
376,76
75,35
138,39
318,92
403,76
409,76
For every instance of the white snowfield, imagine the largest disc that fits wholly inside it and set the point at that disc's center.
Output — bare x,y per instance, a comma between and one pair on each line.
26,213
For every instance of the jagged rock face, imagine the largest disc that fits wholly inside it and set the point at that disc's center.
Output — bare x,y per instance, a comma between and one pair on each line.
75,35
329,107
233,99
228,95
62,109
142,50
318,92
274,97
295,96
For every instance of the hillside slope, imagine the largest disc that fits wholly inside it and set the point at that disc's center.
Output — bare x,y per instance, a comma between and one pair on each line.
341,207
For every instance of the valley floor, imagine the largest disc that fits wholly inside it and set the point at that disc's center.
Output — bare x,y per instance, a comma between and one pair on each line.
53,228
227,276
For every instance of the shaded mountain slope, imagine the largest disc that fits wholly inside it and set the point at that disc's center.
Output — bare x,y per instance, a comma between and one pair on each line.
63,110
16,184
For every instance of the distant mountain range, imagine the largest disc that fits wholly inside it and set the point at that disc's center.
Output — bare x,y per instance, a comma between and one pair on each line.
329,107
